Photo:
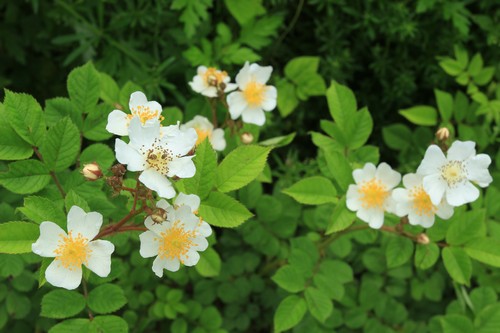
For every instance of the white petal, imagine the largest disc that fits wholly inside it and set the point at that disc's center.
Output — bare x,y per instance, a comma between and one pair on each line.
157,182
191,258
156,228
261,74
190,200
230,86
125,154
411,180
365,174
198,84
47,243
243,76
189,220
435,187
210,91
137,98
433,160
461,150
388,176
376,219
182,167
237,103
477,169
423,220
99,260
201,70
149,244
444,210
159,264
353,201
163,204
270,96
217,140
117,123
154,106
201,243
204,229
254,116
182,143
143,135
59,276
462,194
87,225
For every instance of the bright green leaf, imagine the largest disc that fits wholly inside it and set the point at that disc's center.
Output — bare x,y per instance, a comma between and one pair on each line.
84,87
342,218
17,237
485,250
421,115
445,104
245,10
60,304
209,264
221,210
290,278
287,98
458,264
25,177
398,251
313,191
426,255
320,306
12,146
40,209
205,162
106,298
61,145
289,313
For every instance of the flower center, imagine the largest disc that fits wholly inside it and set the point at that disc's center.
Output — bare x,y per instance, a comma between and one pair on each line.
72,252
144,113
254,93
214,77
176,242
158,158
422,204
454,172
373,194
202,135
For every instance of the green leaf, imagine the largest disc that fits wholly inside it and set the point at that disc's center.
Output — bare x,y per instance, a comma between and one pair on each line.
461,55
289,313
61,145
72,325
485,250
342,105
364,127
25,177
426,255
456,323
106,298
205,162
484,76
488,320
25,116
318,303
458,264
110,92
287,98
466,227
73,199
397,136
398,251
290,278
94,126
84,87
60,304
445,104
40,209
313,191
451,67
476,64
342,218
12,146
421,115
59,108
298,68
221,210
209,264
240,167
339,167
17,237
108,324
99,153
245,10
279,141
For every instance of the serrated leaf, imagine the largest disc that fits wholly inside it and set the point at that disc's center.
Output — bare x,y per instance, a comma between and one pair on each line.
73,199
364,127
25,177
109,324
456,323
240,167
279,141
420,115
466,227
12,146
313,191
342,105
488,320
426,255
61,145
94,126
299,69
458,264
342,218
25,116
99,153
71,326
484,76
245,10
205,162
485,250
60,304
17,237
397,136
339,167
84,87
398,251
209,264
40,209
320,306
221,210
290,278
59,108
287,98
106,298
289,313
445,104
110,92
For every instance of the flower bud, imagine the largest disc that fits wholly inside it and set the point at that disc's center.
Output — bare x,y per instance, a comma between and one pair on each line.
159,215
423,239
443,134
247,138
92,171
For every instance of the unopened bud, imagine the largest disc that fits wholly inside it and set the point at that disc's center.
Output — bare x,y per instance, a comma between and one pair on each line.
443,134
92,171
115,182
118,106
159,215
118,170
247,138
423,239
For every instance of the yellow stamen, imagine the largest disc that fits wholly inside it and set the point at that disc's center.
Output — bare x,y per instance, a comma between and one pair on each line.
214,77
72,251
145,113
421,202
158,157
373,194
454,172
202,135
254,93
176,242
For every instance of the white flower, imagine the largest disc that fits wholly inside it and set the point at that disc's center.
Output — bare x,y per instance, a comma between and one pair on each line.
450,177
148,112
178,239
371,196
209,81
158,156
416,203
205,129
74,249
254,96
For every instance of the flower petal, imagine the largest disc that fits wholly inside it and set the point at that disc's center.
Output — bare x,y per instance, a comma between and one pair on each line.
117,123
85,224
190,200
270,96
411,180
160,263
477,170
388,176
99,260
59,276
125,154
143,135
461,150
201,243
182,167
444,210
243,76
237,103
217,139
353,201
204,229
156,228
191,258
253,116
157,182
48,242
182,143
462,194
433,160
260,74
365,174
435,187
425,221
137,98
149,244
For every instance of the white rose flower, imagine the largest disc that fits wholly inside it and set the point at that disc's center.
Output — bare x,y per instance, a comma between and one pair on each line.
74,249
371,196
158,156
416,203
450,176
255,97
205,129
148,113
209,81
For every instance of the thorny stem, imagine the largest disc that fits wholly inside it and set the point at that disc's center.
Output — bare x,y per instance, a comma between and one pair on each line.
86,295
52,174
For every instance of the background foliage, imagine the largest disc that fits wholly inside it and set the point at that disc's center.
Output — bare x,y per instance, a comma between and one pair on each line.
434,61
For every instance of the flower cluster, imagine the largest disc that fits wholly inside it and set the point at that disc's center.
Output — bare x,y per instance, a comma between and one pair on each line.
440,183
